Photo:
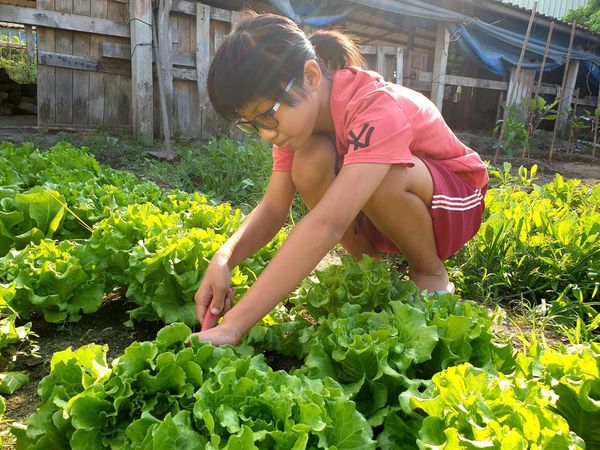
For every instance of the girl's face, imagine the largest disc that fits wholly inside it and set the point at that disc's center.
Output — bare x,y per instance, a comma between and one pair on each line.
294,124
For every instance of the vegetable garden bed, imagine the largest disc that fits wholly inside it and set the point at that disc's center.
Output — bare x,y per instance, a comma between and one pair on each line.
369,361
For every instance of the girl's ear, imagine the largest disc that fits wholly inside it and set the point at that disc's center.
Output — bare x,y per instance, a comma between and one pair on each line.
313,76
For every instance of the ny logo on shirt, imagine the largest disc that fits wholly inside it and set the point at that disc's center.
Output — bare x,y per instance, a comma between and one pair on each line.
358,141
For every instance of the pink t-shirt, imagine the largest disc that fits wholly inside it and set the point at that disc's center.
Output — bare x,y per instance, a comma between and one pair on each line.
380,122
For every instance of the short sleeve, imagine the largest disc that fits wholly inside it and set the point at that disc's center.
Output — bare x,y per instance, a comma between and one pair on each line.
378,131
282,159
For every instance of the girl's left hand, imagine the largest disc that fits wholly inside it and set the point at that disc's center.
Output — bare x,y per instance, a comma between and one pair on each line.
220,335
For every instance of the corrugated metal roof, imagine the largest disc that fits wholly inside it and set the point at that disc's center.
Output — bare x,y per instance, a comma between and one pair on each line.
553,8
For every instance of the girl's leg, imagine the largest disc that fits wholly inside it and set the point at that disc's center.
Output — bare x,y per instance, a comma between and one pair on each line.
408,224
313,171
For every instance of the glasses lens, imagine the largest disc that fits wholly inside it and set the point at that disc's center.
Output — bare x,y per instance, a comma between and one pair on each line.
266,121
247,127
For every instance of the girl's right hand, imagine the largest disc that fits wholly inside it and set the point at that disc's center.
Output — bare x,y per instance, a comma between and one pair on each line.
215,292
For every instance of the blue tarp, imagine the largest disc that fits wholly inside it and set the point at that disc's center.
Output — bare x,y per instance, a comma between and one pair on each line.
493,47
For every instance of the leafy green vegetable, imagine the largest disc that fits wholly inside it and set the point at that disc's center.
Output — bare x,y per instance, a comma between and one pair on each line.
50,280
466,407
161,393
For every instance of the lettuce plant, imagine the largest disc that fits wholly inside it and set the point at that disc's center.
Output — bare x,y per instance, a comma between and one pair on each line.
467,407
161,394
49,279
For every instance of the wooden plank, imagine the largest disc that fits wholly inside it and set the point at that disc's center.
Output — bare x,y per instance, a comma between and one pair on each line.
46,96
219,31
399,65
380,64
63,21
237,17
98,10
569,90
70,62
456,80
117,50
141,67
164,53
181,27
440,63
30,44
64,76
202,64
184,74
373,49
189,8
115,89
24,3
81,79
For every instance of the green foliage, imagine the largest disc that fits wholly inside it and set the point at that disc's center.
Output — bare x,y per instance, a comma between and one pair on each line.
226,171
467,407
116,232
587,16
541,243
17,65
540,110
515,136
162,394
50,280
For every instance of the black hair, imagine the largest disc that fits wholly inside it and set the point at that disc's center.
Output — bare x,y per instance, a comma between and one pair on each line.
264,53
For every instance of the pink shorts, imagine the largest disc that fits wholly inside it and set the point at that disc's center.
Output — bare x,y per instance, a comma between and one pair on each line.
456,211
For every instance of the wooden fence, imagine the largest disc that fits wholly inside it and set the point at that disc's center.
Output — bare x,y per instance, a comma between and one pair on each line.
95,63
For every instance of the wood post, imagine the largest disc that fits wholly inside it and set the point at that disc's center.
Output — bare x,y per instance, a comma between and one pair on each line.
202,62
140,14
595,125
563,88
30,44
512,95
165,52
568,94
168,153
400,66
380,61
440,63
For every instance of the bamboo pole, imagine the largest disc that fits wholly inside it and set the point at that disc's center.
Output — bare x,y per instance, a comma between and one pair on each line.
510,95
539,83
595,125
543,66
562,91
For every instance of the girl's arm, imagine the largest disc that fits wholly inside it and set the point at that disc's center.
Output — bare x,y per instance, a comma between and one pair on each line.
262,223
306,245
256,231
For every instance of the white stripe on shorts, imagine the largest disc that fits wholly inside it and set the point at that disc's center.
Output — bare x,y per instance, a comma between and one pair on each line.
440,201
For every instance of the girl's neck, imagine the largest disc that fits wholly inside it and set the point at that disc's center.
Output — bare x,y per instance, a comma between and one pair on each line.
324,118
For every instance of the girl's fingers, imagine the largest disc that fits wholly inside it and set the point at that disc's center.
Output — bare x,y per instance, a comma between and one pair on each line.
210,320
202,300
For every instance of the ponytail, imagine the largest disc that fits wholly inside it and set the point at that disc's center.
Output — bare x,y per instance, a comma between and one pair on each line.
336,49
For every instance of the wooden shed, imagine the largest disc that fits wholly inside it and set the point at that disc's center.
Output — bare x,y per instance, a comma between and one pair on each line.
95,60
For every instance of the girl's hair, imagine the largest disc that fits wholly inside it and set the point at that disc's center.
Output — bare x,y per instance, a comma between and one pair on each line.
263,54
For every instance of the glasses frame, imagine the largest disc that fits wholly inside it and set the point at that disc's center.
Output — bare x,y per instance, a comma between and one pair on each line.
253,127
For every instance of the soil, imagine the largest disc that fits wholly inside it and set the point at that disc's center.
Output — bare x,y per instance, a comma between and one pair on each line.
106,326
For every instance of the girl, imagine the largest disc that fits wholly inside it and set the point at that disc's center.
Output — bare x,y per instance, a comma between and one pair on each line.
374,162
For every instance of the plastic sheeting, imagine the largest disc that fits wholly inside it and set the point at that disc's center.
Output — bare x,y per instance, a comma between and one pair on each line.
491,46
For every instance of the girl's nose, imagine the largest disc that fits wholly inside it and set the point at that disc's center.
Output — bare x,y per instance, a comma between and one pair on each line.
267,135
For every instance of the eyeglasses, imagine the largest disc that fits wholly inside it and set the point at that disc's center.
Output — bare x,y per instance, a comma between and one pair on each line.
266,120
